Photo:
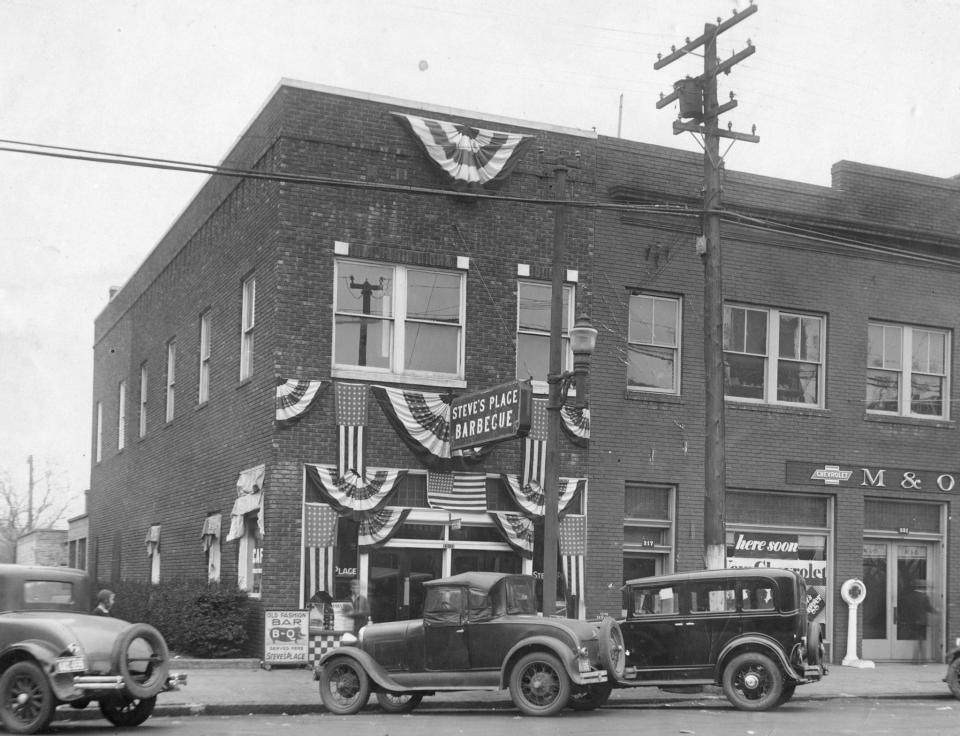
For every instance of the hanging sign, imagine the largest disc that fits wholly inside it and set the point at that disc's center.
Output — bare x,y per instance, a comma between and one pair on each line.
496,414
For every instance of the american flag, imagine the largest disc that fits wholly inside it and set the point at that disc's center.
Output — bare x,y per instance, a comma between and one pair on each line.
352,404
319,534
350,449
573,546
319,525
457,491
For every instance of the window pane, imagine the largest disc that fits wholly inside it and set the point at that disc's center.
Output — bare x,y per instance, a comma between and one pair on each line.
433,295
797,382
533,356
800,337
650,367
734,329
665,322
926,395
361,341
744,376
756,341
883,391
875,346
789,336
810,339
365,289
928,349
431,347
641,319
892,347
534,306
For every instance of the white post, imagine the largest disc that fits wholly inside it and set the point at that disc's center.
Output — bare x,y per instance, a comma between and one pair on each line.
853,591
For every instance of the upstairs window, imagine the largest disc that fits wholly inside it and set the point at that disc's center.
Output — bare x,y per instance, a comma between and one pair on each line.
247,323
907,371
773,356
203,387
142,429
121,414
653,344
171,378
533,331
398,321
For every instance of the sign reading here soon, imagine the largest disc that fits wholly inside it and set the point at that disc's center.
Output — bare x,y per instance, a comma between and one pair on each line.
496,414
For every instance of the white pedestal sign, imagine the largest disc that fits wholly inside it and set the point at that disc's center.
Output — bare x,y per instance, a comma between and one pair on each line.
853,591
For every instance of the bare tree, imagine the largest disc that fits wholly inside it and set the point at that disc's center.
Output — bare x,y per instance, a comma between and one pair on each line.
19,513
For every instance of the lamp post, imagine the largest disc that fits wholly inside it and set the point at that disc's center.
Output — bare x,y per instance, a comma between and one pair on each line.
583,341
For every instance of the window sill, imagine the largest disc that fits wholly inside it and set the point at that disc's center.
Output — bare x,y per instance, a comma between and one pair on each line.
653,396
910,421
377,377
816,411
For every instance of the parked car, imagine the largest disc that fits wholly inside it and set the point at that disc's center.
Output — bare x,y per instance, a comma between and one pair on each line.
479,631
746,630
52,651
952,677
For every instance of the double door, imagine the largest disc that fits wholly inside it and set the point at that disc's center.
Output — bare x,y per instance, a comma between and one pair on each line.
900,616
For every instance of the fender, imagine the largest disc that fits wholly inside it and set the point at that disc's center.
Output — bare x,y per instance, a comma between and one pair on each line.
756,641
564,654
374,671
41,652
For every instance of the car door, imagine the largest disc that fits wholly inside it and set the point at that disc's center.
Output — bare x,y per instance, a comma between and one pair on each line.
712,621
652,631
444,640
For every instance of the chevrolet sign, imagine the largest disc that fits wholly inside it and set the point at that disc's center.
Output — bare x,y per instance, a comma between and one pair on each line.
831,475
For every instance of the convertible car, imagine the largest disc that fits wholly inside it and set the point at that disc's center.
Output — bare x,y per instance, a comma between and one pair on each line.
480,631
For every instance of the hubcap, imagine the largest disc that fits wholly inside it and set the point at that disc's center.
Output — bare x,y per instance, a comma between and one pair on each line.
751,681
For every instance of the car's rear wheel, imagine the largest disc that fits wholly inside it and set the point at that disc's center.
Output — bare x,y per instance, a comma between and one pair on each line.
539,685
26,699
589,697
753,681
613,652
789,689
399,702
344,686
141,657
127,712
953,677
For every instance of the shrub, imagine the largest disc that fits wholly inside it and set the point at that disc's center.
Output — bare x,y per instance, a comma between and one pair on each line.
197,619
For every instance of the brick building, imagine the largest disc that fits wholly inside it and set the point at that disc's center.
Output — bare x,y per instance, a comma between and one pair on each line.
272,386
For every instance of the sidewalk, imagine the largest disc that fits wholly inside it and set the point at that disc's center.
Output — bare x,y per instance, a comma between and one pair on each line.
241,687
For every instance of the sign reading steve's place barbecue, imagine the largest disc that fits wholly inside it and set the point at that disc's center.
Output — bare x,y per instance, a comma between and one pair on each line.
872,476
493,415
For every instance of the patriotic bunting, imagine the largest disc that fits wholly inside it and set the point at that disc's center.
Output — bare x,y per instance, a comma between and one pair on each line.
457,491
468,156
376,529
531,497
576,425
573,547
517,529
210,532
352,494
249,499
153,540
319,536
294,398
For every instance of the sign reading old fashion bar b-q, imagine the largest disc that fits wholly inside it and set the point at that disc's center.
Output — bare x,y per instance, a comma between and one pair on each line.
493,415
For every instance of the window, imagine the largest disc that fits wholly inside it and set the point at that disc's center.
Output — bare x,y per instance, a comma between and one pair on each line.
77,551
398,320
653,344
153,551
907,370
171,377
247,322
203,388
250,562
773,356
99,438
121,414
533,331
143,400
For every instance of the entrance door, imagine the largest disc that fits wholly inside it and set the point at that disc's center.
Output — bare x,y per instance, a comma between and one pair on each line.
899,622
397,575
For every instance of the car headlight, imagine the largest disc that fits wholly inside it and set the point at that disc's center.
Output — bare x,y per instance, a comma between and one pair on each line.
348,640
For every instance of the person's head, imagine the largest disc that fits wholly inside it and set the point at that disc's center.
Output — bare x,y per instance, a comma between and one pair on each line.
320,600
354,587
106,598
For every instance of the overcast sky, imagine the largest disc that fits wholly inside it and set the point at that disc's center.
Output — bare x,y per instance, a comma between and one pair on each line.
874,82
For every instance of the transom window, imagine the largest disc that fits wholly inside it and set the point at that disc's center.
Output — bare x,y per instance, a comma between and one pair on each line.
653,344
907,370
399,320
773,356
533,331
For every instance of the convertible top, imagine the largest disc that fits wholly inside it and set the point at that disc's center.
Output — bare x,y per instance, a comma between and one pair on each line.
479,580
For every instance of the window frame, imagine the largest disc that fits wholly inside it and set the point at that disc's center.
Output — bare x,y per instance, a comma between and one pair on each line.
171,380
142,418
248,323
677,347
249,548
772,359
121,415
906,372
98,440
542,386
398,319
203,375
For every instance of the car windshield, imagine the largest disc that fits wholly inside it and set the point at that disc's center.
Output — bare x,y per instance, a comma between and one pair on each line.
520,598
47,591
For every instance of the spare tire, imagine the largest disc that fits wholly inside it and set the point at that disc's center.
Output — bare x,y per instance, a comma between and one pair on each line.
613,653
814,644
140,656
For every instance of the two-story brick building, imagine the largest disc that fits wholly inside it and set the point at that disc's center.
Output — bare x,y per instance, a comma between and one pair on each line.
272,387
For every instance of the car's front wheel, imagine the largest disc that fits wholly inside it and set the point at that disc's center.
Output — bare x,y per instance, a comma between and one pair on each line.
127,712
953,677
344,686
399,702
26,700
752,681
590,697
539,685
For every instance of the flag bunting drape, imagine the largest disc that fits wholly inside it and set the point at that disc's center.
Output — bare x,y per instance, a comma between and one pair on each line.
531,498
153,539
376,529
422,420
469,157
352,494
457,491
517,529
249,498
295,398
575,423
573,547
210,532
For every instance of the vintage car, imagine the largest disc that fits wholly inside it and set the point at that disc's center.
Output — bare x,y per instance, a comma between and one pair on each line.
952,677
746,630
53,652
480,631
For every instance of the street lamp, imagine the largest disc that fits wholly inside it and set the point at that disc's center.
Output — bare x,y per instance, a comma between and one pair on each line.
583,341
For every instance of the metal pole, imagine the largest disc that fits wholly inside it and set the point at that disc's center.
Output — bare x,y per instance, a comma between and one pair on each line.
551,510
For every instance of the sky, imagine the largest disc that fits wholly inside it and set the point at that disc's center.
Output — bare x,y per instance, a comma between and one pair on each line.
869,81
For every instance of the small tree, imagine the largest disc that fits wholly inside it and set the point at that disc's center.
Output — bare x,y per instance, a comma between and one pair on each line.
23,510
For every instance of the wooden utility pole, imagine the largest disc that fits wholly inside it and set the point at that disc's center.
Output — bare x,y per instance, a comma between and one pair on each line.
698,101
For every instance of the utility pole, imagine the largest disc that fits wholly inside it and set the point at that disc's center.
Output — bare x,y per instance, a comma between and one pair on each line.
698,103
30,493
366,291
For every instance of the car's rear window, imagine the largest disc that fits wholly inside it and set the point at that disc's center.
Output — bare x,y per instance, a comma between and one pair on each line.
520,597
47,591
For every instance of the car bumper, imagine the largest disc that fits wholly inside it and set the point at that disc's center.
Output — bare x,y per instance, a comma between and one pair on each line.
93,683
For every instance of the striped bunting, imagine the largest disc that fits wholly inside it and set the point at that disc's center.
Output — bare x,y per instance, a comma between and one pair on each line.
294,398
351,493
468,156
350,450
576,425
376,529
533,460
457,491
317,572
531,497
517,529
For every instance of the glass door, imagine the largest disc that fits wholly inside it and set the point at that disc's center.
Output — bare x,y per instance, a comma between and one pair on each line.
899,619
396,576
